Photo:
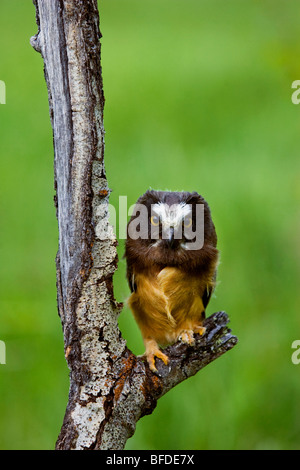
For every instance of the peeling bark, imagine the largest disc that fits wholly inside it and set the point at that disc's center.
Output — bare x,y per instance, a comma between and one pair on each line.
110,387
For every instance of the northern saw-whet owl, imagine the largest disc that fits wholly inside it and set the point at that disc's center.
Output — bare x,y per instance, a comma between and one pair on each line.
172,262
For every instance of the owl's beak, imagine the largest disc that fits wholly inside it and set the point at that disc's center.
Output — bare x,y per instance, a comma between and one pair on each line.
171,239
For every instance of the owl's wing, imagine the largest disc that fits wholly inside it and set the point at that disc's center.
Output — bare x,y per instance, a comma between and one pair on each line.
131,279
208,291
207,295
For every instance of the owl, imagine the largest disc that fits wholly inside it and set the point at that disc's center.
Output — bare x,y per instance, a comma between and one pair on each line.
172,260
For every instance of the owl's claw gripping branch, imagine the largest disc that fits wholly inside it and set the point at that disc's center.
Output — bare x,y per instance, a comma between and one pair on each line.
187,336
153,351
185,361
200,330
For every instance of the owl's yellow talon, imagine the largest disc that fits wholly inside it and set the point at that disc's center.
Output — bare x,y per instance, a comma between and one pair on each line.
200,330
151,359
164,358
151,362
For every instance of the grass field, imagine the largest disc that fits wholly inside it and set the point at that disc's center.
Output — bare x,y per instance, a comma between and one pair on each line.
198,97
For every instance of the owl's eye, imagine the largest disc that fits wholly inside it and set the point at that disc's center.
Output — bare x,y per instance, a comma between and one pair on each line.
155,220
188,222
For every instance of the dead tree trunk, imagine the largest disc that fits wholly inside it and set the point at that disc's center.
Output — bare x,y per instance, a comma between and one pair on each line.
110,388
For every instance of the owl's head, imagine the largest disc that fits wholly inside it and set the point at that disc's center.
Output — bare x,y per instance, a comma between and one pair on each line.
169,228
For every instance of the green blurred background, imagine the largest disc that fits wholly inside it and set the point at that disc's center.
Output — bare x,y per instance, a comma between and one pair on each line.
198,97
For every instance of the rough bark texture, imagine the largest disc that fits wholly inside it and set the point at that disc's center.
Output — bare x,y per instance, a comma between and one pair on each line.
110,388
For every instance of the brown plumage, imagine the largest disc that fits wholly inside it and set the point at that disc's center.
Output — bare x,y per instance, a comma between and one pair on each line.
171,279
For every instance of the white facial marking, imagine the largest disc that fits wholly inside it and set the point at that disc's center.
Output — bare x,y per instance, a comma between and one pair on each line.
171,216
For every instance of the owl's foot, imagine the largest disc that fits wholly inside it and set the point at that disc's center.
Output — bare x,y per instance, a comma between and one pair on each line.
151,359
153,351
200,330
187,336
